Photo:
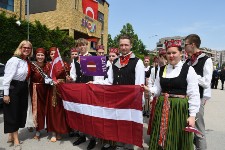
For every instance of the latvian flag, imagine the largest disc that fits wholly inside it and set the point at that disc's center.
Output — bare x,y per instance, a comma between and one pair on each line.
111,112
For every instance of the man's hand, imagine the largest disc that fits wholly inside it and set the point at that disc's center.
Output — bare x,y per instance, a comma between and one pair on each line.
6,99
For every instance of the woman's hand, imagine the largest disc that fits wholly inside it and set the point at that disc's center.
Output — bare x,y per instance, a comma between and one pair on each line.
89,82
6,99
146,88
191,121
68,78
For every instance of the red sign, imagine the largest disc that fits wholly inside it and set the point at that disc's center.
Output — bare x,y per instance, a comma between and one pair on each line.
90,8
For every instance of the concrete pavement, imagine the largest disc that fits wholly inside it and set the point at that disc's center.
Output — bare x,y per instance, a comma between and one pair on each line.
214,118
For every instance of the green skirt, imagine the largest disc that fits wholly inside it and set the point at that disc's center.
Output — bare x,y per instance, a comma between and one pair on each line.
176,138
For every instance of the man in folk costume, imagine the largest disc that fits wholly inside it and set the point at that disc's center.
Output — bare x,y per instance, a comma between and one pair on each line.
77,76
125,70
203,67
75,71
147,75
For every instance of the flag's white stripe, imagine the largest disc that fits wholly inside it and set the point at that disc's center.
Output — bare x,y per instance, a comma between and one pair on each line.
104,112
91,66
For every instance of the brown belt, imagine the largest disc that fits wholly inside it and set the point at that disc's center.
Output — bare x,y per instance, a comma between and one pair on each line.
174,95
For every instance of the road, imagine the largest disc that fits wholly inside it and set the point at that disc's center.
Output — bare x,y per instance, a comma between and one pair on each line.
214,118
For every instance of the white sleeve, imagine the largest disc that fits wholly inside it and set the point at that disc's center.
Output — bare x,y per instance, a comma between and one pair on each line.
156,89
193,92
151,78
205,81
139,73
107,81
10,71
73,74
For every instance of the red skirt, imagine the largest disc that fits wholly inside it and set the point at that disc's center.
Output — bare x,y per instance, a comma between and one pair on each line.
56,116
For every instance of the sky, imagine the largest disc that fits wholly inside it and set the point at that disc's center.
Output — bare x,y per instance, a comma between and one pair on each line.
155,19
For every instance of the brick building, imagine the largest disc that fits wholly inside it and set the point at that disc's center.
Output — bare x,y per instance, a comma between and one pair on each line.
67,15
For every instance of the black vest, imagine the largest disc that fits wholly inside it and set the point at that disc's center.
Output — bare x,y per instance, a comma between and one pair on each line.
80,77
124,75
199,70
177,85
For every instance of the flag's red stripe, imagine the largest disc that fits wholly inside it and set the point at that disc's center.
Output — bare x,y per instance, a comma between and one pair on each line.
115,130
122,96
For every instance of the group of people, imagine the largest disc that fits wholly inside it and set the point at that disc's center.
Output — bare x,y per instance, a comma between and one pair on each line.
175,91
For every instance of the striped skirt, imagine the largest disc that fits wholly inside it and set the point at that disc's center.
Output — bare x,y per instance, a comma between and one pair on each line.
176,138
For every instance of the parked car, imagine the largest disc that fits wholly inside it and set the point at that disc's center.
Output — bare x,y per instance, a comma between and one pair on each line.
2,68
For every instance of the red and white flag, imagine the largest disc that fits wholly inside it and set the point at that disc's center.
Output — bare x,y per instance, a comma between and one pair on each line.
111,112
57,64
90,8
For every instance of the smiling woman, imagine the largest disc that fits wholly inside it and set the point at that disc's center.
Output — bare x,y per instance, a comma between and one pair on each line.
17,72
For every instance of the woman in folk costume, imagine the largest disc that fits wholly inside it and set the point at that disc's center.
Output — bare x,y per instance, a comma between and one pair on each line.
15,82
39,90
159,61
178,102
56,117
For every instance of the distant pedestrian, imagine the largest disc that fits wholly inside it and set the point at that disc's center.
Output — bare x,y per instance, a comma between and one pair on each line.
215,78
222,77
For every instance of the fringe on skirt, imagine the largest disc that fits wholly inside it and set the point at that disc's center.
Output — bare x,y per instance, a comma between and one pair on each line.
177,138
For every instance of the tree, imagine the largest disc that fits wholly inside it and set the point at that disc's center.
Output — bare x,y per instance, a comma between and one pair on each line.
138,47
40,36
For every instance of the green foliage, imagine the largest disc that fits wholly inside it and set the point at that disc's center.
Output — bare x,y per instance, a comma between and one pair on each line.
138,47
40,36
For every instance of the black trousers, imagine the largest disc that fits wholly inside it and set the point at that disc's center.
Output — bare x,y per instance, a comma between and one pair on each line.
15,113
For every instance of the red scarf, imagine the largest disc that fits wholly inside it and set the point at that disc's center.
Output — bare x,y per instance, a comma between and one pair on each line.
195,56
125,59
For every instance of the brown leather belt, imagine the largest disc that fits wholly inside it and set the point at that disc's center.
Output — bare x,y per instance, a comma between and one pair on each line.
174,95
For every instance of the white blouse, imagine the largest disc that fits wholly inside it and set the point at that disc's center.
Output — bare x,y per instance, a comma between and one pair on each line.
192,86
15,69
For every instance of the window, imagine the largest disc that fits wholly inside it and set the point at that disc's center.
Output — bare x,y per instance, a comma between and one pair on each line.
7,4
100,17
76,4
101,2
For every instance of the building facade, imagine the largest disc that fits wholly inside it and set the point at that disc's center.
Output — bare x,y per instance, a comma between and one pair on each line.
13,8
67,15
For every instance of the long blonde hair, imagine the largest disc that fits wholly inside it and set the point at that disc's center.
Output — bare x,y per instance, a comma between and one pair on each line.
18,50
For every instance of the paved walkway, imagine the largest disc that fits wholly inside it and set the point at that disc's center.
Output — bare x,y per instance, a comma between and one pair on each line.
214,117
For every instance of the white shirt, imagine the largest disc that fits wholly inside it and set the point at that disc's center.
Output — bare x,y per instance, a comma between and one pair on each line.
73,73
151,80
139,75
205,81
15,69
147,68
192,86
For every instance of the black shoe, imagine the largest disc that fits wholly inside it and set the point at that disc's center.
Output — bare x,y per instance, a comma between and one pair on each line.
221,89
74,134
80,140
91,145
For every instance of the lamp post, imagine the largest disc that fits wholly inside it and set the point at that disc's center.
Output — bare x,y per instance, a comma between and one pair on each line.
28,19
